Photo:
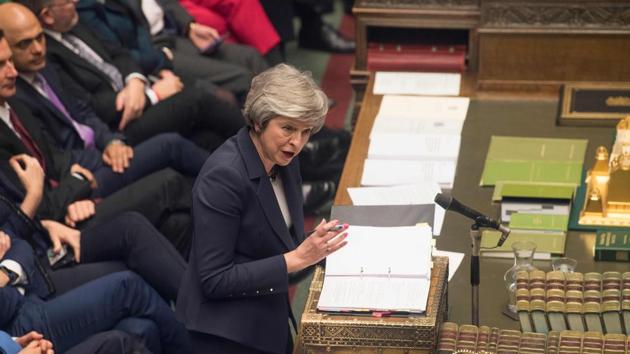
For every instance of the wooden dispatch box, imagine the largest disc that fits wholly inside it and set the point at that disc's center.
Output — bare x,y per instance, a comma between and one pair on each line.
359,334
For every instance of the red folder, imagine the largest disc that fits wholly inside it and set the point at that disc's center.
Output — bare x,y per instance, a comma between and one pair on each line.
416,57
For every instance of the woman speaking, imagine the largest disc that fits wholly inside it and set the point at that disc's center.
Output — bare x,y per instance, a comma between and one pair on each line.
248,222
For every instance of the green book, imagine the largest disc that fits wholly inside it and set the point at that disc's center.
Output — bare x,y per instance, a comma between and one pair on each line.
547,244
612,245
520,159
536,190
539,222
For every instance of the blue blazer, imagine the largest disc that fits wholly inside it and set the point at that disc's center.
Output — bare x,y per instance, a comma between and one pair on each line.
236,283
122,23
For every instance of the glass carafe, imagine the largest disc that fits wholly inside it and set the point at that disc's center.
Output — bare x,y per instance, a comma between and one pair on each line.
523,261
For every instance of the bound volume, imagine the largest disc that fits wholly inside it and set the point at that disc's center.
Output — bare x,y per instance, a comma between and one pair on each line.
555,301
455,338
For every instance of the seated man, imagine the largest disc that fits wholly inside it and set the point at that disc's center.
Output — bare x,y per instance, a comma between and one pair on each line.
113,84
70,122
162,35
127,241
117,301
67,182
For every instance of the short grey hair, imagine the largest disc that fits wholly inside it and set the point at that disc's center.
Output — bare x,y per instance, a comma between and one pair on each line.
287,92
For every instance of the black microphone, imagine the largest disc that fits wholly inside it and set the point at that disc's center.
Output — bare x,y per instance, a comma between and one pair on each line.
450,203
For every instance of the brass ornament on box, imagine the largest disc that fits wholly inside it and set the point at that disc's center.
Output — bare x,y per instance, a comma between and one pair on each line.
607,198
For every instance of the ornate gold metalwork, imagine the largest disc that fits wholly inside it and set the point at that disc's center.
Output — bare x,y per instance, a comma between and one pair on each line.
607,197
614,101
326,332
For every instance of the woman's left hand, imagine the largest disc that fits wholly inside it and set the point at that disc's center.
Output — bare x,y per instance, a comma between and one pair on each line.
317,246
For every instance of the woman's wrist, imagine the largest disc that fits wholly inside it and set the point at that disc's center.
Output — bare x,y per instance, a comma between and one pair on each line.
294,263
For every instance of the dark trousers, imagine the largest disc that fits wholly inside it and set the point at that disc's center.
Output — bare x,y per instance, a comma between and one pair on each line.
128,241
110,342
203,343
186,113
159,152
156,197
98,306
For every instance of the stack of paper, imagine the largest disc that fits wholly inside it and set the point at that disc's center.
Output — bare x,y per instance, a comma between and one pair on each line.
414,145
381,269
422,129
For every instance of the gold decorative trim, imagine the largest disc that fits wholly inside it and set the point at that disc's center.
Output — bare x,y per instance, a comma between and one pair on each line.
567,116
328,331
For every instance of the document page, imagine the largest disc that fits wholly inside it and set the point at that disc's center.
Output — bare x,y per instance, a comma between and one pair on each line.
423,107
374,294
396,172
412,83
403,251
414,146
406,126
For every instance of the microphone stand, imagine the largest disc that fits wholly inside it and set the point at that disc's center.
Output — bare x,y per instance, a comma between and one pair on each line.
475,239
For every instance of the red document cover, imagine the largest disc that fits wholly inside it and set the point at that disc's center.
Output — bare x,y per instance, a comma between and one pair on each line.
416,57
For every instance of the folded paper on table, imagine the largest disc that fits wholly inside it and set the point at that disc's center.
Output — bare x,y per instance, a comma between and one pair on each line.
395,172
411,83
429,147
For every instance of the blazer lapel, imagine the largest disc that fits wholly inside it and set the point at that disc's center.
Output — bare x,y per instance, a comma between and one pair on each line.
54,46
35,97
265,194
290,179
135,8
10,144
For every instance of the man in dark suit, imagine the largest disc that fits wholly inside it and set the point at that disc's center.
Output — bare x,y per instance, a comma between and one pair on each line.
128,241
155,34
98,74
71,122
65,183
120,300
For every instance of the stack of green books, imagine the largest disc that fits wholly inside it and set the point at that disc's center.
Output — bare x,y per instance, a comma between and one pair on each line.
535,180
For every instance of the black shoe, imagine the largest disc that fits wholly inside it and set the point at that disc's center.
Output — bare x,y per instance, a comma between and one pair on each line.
319,197
325,38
